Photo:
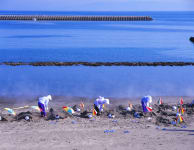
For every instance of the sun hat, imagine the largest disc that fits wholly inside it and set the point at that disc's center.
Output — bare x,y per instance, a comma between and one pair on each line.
49,97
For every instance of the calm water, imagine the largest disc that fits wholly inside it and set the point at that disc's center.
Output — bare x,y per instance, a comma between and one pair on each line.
166,38
95,81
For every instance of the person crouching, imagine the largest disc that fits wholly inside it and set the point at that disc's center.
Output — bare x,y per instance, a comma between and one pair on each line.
146,101
43,104
98,104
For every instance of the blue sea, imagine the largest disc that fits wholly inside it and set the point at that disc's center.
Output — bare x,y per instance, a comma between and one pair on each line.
166,38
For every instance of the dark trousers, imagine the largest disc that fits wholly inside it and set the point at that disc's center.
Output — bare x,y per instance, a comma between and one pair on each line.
42,109
97,110
144,107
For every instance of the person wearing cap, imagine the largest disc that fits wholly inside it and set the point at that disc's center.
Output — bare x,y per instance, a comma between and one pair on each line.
43,104
98,104
146,101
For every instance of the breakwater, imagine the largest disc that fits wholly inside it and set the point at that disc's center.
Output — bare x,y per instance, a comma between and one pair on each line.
95,64
75,18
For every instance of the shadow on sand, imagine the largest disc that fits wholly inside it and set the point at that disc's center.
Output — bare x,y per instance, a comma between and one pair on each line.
179,130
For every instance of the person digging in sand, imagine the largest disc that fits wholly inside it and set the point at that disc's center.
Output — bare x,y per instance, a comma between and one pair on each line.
43,104
146,101
98,104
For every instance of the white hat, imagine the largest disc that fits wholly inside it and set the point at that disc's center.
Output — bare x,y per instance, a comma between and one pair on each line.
100,97
49,97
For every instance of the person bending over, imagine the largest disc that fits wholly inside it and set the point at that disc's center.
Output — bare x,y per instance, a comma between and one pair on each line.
98,104
43,104
146,101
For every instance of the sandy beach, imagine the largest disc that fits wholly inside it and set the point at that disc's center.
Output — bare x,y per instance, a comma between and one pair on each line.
77,133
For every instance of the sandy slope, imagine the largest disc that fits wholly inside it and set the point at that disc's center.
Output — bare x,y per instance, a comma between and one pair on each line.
85,134
89,134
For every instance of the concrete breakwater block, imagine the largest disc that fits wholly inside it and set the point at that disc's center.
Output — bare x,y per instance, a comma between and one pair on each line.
75,18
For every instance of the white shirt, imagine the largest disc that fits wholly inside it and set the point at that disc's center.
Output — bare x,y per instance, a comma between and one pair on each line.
100,101
147,100
44,100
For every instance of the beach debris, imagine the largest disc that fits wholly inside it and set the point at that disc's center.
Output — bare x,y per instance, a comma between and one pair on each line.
78,110
162,114
157,127
94,112
128,109
84,114
184,126
21,107
168,113
109,131
149,108
126,131
146,101
174,108
160,101
136,115
179,118
73,122
121,108
2,118
164,107
135,121
69,110
53,116
173,122
149,119
27,118
115,121
111,116
36,108
163,120
181,110
24,115
90,115
131,105
75,108
10,111
99,104
181,101
58,117
82,106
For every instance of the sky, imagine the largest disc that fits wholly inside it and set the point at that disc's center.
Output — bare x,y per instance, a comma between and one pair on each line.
98,5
